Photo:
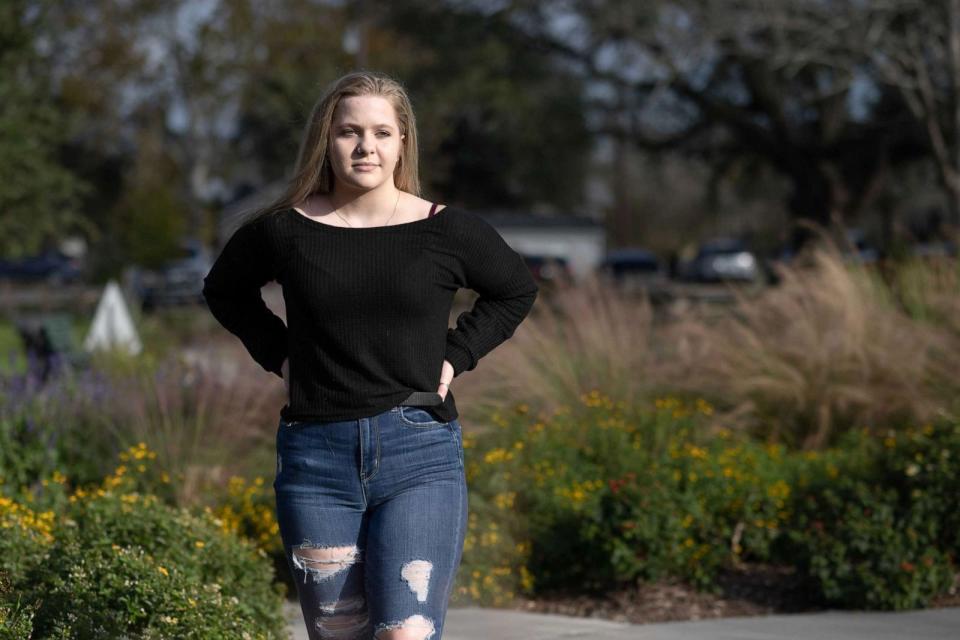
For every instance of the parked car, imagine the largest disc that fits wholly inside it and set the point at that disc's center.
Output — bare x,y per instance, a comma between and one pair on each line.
721,259
547,269
634,269
52,267
631,262
178,281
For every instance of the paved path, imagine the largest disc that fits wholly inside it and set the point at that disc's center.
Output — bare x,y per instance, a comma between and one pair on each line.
472,623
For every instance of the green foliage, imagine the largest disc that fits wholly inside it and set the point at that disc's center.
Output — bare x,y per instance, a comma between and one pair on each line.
584,500
128,565
16,619
145,225
878,527
38,196
111,562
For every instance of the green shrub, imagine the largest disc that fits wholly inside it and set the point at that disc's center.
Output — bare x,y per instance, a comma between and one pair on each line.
591,498
16,619
877,525
694,512
596,497
111,562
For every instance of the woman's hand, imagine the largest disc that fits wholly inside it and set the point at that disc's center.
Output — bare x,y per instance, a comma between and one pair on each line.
446,374
285,370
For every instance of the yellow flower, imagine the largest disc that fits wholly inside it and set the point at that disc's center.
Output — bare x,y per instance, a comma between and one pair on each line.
497,455
779,489
163,571
505,500
697,452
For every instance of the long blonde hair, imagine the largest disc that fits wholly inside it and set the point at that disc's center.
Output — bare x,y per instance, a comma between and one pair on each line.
313,172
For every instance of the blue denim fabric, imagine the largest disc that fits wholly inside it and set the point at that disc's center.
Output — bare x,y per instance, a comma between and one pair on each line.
388,493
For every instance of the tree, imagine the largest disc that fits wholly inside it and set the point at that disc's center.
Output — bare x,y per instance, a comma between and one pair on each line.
914,47
741,81
39,197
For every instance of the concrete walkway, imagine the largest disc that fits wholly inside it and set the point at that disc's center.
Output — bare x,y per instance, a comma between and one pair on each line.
472,623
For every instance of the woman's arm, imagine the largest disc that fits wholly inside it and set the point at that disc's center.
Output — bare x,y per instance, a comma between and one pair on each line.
507,293
232,291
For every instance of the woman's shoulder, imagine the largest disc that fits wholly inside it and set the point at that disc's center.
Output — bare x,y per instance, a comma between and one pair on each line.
467,223
270,231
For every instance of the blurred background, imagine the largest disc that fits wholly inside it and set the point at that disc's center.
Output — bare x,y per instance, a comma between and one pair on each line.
743,215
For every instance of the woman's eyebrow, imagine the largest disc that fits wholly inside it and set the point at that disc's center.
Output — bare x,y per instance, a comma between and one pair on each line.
354,124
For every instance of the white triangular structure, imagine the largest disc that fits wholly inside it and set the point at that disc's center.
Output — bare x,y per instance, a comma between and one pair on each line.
112,323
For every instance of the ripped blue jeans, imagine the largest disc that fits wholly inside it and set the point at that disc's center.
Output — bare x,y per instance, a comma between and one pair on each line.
373,516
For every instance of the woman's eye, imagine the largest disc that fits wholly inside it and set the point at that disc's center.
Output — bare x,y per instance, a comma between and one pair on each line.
349,131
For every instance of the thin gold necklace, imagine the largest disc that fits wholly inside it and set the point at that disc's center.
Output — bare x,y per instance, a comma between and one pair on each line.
383,225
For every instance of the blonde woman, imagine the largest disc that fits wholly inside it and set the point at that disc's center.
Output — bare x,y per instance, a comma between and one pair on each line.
370,489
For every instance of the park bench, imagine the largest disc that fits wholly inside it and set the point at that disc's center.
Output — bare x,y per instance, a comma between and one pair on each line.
49,343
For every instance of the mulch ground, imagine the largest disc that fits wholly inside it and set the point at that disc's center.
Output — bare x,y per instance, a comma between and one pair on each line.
753,589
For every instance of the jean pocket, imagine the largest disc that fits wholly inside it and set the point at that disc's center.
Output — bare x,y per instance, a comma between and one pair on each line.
418,417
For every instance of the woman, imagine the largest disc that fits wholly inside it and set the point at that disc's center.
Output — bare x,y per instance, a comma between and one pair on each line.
370,487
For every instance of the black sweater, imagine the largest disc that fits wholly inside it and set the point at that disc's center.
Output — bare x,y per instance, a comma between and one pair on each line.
368,308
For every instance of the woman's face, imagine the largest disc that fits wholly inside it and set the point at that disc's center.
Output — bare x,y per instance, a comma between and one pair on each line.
365,142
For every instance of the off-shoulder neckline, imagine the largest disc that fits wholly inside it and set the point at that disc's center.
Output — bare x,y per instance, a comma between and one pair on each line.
296,213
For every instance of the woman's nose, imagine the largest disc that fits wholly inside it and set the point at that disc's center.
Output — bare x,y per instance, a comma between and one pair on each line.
366,145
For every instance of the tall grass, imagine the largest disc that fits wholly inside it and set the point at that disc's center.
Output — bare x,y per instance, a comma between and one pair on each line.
833,346
577,338
829,349
207,412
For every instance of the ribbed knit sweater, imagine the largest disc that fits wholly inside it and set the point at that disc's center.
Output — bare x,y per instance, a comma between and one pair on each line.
368,307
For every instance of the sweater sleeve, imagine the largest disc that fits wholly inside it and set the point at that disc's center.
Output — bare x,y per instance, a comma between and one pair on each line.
507,293
232,291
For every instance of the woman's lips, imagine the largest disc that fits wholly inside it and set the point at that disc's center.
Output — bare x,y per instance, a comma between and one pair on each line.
365,167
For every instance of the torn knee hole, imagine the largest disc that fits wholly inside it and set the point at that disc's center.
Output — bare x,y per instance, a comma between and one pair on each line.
323,562
417,575
344,619
345,605
416,627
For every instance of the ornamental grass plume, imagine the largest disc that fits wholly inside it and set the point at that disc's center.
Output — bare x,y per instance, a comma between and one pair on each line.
829,349
587,335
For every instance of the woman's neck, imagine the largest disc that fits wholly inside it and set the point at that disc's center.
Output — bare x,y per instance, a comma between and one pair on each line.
367,207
